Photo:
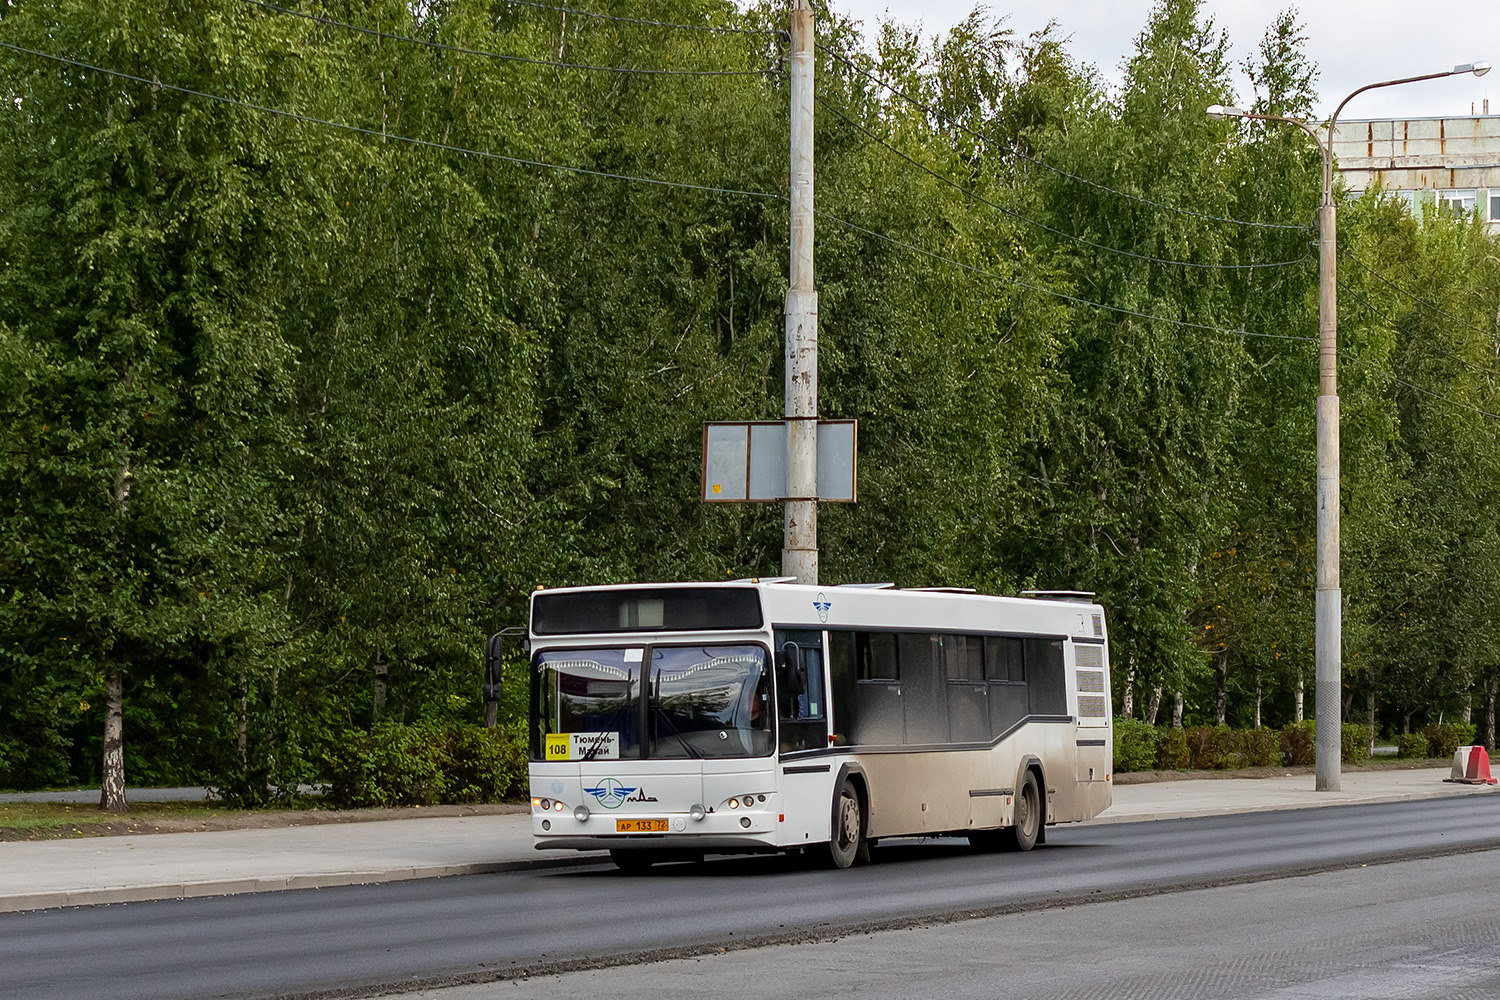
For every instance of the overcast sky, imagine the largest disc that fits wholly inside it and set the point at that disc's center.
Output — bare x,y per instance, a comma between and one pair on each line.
1353,43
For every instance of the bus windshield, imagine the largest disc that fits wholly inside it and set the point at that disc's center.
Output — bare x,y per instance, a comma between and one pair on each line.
699,702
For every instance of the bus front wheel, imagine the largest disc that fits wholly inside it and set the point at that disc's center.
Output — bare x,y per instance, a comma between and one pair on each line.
847,844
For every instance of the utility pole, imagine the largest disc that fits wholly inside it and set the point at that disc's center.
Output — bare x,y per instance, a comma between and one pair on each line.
1328,606
799,547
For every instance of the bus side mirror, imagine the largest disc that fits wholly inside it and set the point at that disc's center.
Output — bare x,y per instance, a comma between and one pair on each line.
793,671
493,677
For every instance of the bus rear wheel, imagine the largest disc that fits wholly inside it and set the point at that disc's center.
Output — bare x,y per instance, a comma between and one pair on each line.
1027,822
847,843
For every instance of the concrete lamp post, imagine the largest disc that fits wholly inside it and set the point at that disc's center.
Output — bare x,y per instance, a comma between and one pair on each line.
1329,608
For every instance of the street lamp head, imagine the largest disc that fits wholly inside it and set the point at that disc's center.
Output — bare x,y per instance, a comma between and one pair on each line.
1224,111
1478,68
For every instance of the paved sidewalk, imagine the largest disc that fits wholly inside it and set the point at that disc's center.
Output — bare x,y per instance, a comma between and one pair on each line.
43,874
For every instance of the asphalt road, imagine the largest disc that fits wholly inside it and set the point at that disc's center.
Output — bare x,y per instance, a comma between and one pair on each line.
1408,930
352,939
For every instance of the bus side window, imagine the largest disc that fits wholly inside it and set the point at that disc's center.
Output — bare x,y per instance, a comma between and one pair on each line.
1005,672
843,667
924,689
968,701
1044,666
877,655
872,714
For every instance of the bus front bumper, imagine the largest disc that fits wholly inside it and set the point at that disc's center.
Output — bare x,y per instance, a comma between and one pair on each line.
727,844
753,829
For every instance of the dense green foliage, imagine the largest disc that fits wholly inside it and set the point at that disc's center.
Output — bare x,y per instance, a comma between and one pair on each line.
292,416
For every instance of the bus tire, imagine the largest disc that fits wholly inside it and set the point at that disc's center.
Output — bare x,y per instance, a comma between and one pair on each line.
847,844
1026,827
633,862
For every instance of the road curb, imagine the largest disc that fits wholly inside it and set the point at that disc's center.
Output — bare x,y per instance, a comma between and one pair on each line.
55,899
1447,791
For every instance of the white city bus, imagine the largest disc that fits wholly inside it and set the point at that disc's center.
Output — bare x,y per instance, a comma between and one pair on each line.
673,720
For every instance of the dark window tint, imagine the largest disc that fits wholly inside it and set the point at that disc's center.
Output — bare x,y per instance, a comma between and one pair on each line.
963,657
923,691
646,609
1044,666
843,664
877,655
1004,659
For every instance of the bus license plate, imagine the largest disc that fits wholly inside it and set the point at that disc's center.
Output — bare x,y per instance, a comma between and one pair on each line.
640,826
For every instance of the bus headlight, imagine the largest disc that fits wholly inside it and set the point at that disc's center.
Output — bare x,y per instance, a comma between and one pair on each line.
697,811
581,813
558,805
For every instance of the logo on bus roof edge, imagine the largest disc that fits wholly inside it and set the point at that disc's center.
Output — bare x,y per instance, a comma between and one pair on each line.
822,605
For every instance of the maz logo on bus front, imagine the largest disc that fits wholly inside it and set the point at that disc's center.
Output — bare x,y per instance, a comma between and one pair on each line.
612,795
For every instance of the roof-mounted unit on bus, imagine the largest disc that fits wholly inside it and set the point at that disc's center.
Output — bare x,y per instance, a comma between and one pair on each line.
868,586
941,590
1076,596
765,579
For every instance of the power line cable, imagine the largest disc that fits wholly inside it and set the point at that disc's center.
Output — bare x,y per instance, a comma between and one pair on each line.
1012,213
1076,300
521,161
1360,362
1426,341
391,136
505,57
1413,296
643,21
1012,151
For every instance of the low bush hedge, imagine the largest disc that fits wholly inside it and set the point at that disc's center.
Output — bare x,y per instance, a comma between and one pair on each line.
1217,748
1172,750
1135,745
1298,744
1262,748
1443,738
1412,745
1356,743
418,765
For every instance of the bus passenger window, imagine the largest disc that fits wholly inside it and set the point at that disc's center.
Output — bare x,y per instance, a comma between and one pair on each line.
1044,662
877,655
1004,659
963,658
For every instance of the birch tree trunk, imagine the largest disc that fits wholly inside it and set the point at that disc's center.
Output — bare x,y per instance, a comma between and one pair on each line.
1370,720
1259,697
1127,697
112,787
1301,688
1153,705
1221,696
1177,712
382,679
